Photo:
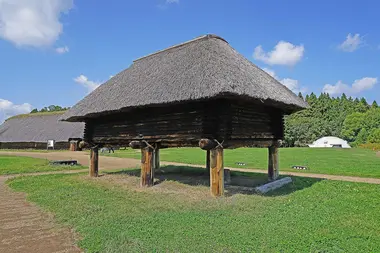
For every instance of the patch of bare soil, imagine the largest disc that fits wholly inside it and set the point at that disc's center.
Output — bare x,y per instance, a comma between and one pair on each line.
180,185
25,228
378,153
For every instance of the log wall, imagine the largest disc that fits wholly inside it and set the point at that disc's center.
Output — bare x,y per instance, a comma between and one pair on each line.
185,124
33,145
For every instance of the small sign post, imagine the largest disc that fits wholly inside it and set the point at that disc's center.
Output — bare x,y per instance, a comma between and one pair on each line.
50,144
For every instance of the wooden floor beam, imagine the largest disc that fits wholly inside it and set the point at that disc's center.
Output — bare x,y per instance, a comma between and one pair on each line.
217,172
273,163
94,162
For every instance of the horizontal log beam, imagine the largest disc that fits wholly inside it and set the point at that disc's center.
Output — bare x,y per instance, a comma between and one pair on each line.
207,144
137,145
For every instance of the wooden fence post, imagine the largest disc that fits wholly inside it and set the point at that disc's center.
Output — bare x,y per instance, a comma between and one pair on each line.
94,162
147,169
208,161
217,172
273,163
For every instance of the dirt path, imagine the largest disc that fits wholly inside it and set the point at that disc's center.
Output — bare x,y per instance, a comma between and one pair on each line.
107,162
25,228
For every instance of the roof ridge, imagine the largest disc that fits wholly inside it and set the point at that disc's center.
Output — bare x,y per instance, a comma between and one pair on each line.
27,115
207,36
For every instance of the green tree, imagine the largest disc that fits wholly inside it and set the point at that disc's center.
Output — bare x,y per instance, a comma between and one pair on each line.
361,138
352,126
374,136
362,106
336,116
51,108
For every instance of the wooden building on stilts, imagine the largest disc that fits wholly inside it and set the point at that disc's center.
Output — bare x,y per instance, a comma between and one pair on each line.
199,93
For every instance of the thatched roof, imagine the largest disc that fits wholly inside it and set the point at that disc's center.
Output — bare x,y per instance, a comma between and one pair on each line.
39,127
203,68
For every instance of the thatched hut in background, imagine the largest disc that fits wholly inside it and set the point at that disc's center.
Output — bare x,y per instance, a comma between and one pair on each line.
32,131
201,92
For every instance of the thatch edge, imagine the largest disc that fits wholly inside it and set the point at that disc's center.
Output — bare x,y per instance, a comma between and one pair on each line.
36,114
294,108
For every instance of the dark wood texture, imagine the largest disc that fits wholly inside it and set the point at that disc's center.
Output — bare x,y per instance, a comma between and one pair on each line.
94,162
34,145
208,160
207,144
147,169
137,144
157,158
273,163
234,122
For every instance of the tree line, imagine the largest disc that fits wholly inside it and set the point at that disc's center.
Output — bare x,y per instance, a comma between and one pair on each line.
50,108
351,119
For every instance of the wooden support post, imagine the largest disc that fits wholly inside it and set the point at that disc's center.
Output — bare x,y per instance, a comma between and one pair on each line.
208,161
147,169
94,162
217,172
227,176
273,165
157,158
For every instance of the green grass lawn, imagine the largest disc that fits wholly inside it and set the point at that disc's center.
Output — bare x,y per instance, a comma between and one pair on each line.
33,150
17,165
112,214
348,162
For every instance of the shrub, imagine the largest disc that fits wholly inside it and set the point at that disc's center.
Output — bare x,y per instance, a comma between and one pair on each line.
372,146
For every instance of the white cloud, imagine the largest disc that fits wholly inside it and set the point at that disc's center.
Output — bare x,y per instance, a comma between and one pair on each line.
165,4
365,83
351,43
270,72
291,84
33,23
90,85
62,50
284,53
358,86
8,109
338,88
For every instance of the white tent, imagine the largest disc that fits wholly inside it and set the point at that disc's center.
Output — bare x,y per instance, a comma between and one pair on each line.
330,142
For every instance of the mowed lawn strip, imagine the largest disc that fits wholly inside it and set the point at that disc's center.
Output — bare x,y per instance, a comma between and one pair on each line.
309,215
18,165
345,162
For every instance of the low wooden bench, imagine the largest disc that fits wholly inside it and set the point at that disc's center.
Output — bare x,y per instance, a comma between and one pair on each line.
64,162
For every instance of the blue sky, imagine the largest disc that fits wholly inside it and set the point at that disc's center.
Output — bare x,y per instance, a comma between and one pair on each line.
56,51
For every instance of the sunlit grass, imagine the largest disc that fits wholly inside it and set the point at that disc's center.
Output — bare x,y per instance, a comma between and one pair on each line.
113,214
349,162
17,165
